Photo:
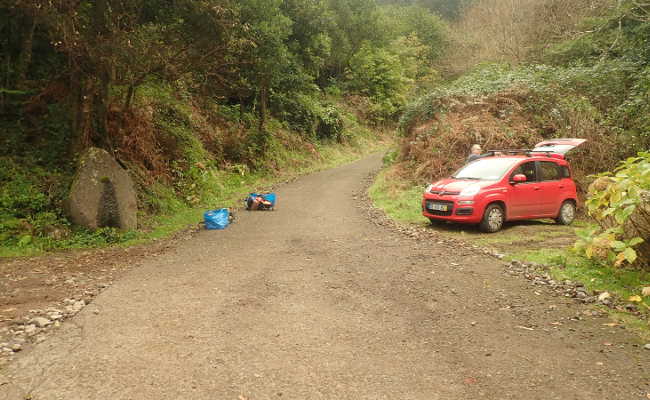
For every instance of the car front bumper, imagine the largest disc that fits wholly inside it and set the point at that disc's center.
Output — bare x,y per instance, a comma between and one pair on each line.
450,209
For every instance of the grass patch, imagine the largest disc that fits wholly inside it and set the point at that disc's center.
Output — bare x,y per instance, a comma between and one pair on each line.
596,277
636,325
399,200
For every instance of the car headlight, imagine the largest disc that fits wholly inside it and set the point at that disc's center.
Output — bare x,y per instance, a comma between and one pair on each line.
470,191
428,189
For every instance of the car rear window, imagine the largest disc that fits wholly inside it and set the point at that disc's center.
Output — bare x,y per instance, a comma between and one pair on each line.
550,171
489,169
566,173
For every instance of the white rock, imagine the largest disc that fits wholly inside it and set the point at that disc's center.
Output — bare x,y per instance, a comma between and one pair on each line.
41,322
55,316
30,329
78,305
604,296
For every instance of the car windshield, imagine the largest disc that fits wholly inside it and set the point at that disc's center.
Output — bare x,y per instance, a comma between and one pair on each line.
491,169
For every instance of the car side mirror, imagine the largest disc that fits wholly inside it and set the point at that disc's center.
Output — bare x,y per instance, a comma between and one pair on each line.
519,178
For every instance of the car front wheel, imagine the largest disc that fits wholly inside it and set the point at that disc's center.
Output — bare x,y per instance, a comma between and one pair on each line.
567,213
493,219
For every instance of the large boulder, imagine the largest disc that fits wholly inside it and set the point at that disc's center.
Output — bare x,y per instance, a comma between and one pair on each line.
102,193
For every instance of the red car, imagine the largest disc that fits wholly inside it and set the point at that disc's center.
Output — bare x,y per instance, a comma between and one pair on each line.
517,185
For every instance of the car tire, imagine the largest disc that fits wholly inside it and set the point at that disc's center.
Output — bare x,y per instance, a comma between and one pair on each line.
493,219
567,213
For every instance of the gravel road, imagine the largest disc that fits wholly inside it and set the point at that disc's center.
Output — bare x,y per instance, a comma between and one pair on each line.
314,301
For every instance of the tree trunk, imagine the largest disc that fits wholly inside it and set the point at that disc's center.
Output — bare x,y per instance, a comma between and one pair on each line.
25,57
83,110
129,97
101,109
264,99
103,73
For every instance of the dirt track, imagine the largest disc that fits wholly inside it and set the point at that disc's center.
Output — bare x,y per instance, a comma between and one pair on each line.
313,301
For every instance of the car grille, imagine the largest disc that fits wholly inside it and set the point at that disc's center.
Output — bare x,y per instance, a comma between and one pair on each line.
464,211
433,203
444,193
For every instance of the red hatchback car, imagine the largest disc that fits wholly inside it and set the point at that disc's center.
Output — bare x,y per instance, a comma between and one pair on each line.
521,184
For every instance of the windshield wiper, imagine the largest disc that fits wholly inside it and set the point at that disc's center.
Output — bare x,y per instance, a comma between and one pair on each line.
469,178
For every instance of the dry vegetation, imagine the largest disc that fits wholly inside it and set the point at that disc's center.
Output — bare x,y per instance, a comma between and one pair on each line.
440,145
516,30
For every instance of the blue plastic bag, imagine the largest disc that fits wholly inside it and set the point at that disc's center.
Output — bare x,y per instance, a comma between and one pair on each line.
217,219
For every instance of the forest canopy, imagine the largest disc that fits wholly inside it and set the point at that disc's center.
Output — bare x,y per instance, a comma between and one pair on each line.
268,56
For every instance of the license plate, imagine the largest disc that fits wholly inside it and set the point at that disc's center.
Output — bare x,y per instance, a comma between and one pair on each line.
438,207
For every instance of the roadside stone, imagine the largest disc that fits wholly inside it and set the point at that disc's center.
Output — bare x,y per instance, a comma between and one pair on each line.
55,316
30,329
75,307
16,347
41,322
647,346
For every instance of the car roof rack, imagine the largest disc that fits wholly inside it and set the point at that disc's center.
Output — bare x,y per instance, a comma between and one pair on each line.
510,151
527,152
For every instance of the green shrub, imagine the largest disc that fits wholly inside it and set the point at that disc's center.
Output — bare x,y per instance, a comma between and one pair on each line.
330,123
620,203
379,75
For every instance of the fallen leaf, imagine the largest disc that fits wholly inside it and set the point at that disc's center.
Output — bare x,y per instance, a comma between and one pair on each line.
635,299
646,291
470,381
604,296
607,344
612,324
600,363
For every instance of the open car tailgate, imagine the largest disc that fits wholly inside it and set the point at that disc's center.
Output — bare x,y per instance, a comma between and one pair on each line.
559,146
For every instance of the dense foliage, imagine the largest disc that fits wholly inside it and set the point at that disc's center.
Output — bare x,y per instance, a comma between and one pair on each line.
620,203
182,90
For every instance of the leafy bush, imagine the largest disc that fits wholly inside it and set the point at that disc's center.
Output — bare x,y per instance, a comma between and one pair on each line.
330,123
379,75
620,203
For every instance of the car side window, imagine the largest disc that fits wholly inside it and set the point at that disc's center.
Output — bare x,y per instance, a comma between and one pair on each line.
550,171
527,169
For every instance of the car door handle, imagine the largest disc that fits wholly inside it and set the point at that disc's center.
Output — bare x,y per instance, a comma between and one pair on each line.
537,188
561,186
